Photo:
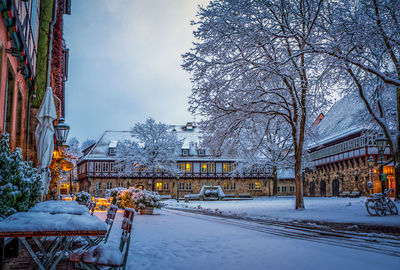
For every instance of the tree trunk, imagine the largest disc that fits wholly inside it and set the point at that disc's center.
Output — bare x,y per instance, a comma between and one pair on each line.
274,181
299,184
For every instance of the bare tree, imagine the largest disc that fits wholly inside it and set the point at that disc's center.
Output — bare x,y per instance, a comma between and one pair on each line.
153,149
252,58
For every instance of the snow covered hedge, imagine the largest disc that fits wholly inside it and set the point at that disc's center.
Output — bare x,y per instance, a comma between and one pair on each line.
138,199
20,183
82,196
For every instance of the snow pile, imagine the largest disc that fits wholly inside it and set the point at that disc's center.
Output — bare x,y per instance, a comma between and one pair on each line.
60,207
42,221
104,254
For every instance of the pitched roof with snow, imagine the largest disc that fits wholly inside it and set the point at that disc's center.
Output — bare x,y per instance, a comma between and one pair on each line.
190,138
347,116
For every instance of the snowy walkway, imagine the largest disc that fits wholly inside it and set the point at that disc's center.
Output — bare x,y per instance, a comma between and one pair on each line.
327,209
175,240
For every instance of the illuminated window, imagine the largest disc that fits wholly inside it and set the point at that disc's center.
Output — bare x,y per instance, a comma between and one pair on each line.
159,186
203,167
143,168
257,185
225,185
226,167
211,167
188,167
181,167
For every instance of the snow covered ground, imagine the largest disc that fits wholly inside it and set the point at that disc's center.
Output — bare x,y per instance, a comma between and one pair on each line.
329,209
172,240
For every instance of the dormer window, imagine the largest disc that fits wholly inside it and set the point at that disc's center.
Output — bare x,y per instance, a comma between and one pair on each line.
111,151
112,148
202,152
185,152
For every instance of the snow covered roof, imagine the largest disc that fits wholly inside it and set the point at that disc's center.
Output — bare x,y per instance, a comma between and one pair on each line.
190,138
347,116
285,173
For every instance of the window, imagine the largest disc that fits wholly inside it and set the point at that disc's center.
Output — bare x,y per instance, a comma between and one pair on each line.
98,185
257,185
291,188
229,186
203,167
105,166
279,189
226,167
283,188
159,186
211,167
9,101
97,166
111,151
251,186
181,167
121,184
185,186
165,186
202,152
188,167
112,167
185,152
109,185
188,186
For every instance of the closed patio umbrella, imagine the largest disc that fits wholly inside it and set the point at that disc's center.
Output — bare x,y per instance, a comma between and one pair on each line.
44,136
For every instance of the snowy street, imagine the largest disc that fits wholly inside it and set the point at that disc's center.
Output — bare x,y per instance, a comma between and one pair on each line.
180,240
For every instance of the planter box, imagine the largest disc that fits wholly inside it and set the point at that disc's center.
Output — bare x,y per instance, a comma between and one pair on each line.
146,211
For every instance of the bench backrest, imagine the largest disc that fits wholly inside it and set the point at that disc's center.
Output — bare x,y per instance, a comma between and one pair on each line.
111,212
126,227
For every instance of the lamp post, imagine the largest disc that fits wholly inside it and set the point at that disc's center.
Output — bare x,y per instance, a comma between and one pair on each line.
371,163
381,144
177,188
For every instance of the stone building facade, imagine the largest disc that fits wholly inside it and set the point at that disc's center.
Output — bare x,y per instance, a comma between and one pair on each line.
339,157
97,173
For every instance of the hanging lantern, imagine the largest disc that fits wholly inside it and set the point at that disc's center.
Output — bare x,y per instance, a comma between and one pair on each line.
61,131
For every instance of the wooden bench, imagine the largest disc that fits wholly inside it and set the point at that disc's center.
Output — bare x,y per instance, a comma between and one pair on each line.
354,194
165,197
344,194
244,195
229,195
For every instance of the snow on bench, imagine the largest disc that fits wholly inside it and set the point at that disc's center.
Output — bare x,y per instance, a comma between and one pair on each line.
165,197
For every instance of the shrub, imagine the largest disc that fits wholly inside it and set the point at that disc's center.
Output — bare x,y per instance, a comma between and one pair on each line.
138,199
82,196
20,183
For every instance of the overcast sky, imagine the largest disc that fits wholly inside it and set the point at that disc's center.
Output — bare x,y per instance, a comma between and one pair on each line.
124,65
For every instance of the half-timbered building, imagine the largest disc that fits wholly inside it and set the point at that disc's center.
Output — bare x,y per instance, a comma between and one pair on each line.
197,166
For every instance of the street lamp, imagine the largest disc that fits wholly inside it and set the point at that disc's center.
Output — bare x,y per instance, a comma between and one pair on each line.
371,163
177,188
381,144
61,131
